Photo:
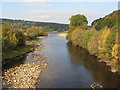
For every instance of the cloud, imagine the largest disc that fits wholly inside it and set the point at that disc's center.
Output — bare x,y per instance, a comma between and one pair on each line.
48,15
38,5
62,16
41,12
42,17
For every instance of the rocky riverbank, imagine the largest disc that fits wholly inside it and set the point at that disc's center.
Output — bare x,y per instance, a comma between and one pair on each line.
25,75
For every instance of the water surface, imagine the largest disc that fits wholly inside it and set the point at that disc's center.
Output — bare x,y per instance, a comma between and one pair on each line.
72,67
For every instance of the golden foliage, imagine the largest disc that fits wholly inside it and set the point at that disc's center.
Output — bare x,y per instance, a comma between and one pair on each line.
116,48
102,39
75,34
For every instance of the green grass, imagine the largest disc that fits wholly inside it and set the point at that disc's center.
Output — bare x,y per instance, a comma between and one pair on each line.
19,51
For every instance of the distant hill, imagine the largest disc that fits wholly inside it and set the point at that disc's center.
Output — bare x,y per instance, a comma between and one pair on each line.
27,24
109,20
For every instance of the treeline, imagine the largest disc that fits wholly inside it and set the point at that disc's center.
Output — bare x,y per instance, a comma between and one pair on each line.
101,40
28,24
11,38
33,32
14,38
18,35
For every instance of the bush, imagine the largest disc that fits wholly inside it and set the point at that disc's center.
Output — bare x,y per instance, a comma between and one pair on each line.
33,32
116,47
109,43
93,43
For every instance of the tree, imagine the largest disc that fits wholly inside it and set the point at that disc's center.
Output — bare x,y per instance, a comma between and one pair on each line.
5,29
21,38
78,20
11,38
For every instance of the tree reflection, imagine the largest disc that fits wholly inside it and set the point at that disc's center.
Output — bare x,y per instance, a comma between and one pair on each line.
100,72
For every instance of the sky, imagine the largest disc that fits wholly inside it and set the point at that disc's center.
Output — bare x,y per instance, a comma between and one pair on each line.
58,12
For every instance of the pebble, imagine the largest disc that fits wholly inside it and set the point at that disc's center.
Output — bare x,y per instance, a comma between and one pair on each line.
25,75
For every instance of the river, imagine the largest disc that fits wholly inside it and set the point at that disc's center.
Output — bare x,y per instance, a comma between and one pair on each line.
72,67
69,66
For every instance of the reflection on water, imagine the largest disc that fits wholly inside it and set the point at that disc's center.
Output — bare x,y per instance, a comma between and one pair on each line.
72,67
100,72
69,66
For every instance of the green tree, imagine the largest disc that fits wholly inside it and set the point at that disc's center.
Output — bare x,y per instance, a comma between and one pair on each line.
21,38
78,20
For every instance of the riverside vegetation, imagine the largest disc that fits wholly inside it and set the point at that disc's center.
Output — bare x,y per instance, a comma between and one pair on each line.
16,42
15,33
19,38
47,26
25,75
100,40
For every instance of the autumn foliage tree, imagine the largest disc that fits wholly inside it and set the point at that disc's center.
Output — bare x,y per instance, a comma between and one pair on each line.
33,32
77,21
102,40
11,39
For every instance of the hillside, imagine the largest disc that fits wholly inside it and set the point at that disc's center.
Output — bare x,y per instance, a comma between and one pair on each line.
109,20
27,24
101,40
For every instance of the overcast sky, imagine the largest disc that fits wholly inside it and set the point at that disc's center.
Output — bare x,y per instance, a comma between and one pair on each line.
59,12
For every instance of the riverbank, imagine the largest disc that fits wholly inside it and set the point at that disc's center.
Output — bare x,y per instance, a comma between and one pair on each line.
17,53
22,50
64,34
112,63
26,74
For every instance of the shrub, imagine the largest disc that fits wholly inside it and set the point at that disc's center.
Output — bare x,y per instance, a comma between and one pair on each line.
93,43
116,48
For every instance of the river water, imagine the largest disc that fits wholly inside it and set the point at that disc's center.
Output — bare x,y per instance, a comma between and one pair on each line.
72,67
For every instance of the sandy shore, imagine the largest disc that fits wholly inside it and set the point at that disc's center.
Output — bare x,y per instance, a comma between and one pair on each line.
41,37
62,35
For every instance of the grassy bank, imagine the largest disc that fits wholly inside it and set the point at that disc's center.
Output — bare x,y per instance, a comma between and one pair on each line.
19,51
25,75
16,41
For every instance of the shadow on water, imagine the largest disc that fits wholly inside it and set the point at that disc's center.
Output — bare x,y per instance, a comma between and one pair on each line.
100,72
73,67
70,66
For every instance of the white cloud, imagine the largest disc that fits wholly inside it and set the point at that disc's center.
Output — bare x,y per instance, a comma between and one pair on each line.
63,15
38,5
42,17
53,15
48,15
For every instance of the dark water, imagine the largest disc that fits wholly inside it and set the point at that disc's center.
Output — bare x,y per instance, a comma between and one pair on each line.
72,67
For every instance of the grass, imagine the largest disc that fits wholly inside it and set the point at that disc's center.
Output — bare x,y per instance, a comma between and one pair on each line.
19,51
